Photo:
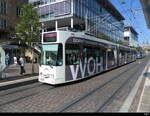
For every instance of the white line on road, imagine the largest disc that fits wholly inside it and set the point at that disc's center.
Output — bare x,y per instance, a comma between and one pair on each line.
131,96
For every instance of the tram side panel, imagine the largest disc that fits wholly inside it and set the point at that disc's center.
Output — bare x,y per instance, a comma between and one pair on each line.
83,60
121,57
112,59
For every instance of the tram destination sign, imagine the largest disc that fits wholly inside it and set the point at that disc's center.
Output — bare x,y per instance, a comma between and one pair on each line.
50,37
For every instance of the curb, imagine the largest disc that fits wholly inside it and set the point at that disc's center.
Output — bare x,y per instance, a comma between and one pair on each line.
18,83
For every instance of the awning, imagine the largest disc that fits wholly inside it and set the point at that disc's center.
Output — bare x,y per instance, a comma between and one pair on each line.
9,47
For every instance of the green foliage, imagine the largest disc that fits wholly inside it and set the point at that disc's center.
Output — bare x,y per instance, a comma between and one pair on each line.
103,36
120,42
139,49
28,29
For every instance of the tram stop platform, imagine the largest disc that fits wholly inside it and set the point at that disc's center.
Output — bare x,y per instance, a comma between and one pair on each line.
144,103
11,76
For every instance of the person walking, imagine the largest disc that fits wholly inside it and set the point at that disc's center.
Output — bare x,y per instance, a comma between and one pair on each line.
22,62
15,60
7,59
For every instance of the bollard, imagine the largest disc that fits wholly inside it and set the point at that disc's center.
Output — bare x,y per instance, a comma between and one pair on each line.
0,75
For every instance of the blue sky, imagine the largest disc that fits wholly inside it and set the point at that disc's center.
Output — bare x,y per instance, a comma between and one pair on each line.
133,13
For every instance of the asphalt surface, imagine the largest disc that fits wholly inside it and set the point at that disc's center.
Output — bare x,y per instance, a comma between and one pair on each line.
103,93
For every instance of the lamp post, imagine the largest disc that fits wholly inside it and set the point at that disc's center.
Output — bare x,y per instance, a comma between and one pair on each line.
31,45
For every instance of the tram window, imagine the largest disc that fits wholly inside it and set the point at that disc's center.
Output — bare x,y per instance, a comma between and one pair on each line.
91,52
97,52
111,55
52,55
60,56
72,54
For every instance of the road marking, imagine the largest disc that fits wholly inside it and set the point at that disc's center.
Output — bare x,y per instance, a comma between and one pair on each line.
18,81
131,96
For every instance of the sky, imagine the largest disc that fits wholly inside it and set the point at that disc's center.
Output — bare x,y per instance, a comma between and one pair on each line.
134,16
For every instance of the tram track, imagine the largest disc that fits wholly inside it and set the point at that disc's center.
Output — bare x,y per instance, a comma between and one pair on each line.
22,90
111,98
24,96
77,100
38,89
86,99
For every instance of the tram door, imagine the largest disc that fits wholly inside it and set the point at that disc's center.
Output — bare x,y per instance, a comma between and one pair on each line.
104,58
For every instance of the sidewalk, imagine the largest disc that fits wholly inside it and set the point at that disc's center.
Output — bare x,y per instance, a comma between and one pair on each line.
144,103
11,76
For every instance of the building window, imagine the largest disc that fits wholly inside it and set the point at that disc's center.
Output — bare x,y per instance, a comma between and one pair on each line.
3,7
126,38
3,24
42,2
18,11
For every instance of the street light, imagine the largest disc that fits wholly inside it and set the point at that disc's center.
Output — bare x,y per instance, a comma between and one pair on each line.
31,45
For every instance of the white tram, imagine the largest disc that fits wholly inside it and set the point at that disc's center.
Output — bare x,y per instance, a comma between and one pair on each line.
2,59
71,56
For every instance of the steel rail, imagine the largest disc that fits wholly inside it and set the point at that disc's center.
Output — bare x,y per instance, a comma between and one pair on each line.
75,101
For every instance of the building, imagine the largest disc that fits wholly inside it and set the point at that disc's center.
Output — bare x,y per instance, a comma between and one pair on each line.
131,36
97,17
146,10
10,11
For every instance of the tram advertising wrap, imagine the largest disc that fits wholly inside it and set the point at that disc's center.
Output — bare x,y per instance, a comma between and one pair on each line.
70,56
83,59
87,67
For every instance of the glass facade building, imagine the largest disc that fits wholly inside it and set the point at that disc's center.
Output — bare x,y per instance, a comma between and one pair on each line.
131,36
94,16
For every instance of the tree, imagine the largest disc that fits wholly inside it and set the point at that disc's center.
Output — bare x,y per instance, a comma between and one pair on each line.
28,28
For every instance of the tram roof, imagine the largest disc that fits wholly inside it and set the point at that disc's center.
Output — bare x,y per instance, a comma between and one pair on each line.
90,37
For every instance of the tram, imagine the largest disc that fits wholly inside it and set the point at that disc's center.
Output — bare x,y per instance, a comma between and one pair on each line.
2,59
71,56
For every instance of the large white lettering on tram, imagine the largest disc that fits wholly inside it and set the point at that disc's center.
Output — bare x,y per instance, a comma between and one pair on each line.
87,67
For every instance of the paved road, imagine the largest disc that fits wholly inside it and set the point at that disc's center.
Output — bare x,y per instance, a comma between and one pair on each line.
104,93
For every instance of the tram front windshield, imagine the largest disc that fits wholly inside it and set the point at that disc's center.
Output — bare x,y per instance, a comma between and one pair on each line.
52,55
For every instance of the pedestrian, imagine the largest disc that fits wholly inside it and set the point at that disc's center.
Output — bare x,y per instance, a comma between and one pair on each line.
7,58
22,62
15,60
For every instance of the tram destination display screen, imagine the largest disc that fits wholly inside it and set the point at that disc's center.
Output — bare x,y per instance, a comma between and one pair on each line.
50,37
